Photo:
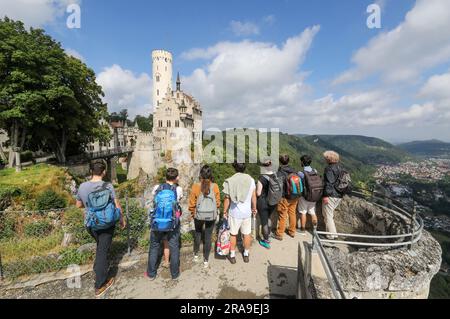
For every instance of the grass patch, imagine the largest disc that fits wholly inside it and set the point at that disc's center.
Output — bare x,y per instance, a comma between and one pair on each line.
32,181
22,248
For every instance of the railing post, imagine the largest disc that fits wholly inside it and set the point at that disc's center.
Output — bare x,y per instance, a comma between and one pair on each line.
413,222
314,235
128,223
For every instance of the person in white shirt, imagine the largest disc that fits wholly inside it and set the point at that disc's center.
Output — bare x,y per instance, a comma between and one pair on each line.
238,207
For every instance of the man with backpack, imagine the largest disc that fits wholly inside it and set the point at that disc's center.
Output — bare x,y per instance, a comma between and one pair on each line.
337,184
165,224
102,211
269,191
287,207
313,192
238,207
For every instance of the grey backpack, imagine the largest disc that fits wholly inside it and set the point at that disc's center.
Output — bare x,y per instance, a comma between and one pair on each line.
275,190
206,206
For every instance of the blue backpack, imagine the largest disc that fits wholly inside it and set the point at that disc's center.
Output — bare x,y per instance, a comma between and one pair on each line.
164,216
101,211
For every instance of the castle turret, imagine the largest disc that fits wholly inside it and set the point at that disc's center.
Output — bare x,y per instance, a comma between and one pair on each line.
178,82
162,75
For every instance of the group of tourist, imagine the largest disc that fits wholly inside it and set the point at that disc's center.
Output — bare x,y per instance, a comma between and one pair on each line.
284,191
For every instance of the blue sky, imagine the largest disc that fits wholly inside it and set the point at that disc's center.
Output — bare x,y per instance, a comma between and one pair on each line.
302,66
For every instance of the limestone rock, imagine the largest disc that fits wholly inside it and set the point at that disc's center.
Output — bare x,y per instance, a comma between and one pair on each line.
382,272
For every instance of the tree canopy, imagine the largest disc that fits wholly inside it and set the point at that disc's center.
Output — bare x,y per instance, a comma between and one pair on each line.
48,99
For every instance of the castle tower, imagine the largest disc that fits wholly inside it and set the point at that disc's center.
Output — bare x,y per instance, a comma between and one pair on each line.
162,75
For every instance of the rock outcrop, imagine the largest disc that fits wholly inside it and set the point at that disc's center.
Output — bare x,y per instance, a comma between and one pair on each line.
382,272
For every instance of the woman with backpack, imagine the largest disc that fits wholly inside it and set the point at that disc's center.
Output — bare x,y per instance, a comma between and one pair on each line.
269,191
204,203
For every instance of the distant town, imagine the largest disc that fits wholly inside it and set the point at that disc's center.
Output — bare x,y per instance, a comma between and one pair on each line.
432,169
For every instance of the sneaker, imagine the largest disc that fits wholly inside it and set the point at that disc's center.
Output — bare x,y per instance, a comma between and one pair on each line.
246,259
177,277
196,258
205,264
232,260
265,244
302,231
100,292
277,237
146,275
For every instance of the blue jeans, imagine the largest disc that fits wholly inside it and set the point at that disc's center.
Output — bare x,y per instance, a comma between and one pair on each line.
154,254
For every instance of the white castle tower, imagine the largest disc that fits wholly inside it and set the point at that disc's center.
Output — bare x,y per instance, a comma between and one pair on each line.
162,75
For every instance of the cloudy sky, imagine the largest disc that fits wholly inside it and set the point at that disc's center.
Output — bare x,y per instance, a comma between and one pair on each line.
310,67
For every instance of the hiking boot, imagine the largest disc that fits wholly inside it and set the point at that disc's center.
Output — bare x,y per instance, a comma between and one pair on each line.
146,275
100,292
265,244
232,260
277,237
246,259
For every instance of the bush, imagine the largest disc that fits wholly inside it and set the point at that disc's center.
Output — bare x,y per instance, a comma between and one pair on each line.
49,199
73,257
187,237
74,221
7,193
7,227
38,229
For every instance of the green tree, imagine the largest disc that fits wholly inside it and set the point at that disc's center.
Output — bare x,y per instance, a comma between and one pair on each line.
145,124
47,99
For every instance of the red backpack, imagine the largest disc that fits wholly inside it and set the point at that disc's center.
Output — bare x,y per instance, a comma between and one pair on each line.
294,186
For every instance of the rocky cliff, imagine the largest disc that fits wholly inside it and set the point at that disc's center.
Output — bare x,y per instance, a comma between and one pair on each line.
382,272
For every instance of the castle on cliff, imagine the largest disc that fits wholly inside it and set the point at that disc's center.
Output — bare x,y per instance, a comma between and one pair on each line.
172,109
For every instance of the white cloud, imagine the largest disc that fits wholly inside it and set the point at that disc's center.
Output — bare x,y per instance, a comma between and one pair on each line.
244,28
249,82
420,42
75,54
35,13
124,89
437,87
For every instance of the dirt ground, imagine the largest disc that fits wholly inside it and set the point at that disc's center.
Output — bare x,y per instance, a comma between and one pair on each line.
270,274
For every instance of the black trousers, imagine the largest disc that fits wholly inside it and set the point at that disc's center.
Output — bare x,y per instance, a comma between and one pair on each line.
103,239
265,211
209,227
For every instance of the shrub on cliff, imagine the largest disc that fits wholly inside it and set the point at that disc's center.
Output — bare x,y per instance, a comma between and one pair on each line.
49,199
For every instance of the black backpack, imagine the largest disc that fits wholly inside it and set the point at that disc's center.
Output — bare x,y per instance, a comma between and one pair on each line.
313,186
344,182
275,189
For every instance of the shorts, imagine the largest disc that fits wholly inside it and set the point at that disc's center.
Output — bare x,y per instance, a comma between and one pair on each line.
244,225
306,207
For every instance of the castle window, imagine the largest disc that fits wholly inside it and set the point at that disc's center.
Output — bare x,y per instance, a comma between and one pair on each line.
157,78
157,92
168,123
177,123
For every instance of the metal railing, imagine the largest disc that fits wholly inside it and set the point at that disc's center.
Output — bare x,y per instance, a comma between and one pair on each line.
413,222
102,154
